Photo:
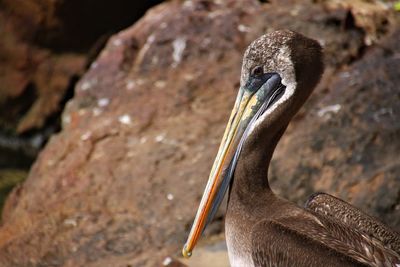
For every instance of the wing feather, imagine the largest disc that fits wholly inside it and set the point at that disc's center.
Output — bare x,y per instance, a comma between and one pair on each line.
329,206
326,237
274,244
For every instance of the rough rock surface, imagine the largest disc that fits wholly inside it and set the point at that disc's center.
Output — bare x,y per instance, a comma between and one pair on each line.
45,45
119,185
33,79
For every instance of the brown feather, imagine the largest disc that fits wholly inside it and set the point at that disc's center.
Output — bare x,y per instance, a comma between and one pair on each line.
265,230
332,207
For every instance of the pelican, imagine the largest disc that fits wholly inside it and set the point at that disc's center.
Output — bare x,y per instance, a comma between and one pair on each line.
279,72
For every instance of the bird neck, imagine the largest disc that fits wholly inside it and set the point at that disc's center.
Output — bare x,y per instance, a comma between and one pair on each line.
250,180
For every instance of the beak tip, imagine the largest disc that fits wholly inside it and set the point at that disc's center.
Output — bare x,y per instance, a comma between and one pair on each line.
186,253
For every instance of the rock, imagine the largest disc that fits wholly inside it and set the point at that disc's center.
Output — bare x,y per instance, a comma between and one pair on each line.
374,17
33,80
45,47
118,186
72,25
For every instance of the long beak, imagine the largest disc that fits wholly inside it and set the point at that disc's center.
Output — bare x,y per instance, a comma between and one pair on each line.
218,180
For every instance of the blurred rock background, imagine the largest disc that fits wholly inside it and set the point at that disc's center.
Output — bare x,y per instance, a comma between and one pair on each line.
45,48
135,117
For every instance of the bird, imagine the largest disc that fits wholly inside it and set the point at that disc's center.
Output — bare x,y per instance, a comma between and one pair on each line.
280,70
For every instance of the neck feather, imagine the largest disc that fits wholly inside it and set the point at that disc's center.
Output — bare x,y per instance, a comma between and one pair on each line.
250,179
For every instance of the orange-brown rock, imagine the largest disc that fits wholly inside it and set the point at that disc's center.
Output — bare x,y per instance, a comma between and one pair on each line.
33,79
44,47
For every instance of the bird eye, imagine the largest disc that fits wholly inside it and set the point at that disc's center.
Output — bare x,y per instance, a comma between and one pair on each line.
257,71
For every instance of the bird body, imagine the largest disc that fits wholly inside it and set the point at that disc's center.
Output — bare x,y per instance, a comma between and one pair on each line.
279,72
281,233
